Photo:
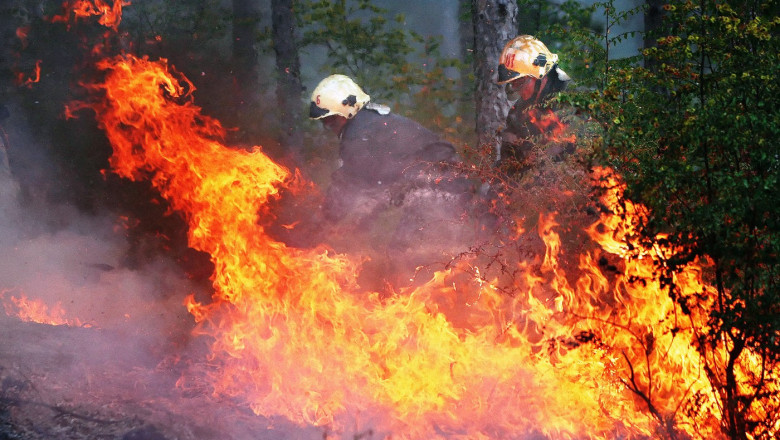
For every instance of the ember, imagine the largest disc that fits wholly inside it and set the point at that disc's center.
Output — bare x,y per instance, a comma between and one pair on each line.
23,81
22,33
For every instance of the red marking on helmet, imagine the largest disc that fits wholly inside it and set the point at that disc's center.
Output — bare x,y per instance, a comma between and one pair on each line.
509,59
318,100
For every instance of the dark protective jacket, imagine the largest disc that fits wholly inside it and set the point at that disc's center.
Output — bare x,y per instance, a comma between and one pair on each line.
384,157
398,188
384,149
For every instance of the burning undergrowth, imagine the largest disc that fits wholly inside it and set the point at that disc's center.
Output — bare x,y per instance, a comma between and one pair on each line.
294,335
507,341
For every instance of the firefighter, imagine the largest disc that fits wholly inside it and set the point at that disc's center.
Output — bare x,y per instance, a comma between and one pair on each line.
398,181
531,75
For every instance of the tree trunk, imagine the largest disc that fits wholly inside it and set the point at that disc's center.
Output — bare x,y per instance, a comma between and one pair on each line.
495,23
8,28
7,40
288,67
246,16
652,19
466,54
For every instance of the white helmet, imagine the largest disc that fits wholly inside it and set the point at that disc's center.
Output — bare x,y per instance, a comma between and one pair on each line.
337,95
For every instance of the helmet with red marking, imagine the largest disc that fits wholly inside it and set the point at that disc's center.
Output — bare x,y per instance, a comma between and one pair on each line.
525,56
337,95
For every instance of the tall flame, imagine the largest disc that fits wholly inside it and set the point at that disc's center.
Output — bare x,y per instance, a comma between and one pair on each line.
568,355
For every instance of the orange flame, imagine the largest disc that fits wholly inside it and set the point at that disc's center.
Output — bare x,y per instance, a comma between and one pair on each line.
594,353
28,82
568,355
110,15
548,123
35,310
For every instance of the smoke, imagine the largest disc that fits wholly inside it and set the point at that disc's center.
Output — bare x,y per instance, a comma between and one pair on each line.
58,254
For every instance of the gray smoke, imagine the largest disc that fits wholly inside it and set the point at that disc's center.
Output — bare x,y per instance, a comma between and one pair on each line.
53,252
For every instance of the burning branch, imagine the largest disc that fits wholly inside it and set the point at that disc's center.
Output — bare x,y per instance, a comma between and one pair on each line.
110,14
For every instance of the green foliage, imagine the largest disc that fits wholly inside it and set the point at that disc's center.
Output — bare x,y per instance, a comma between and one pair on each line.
582,35
568,30
359,40
694,133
